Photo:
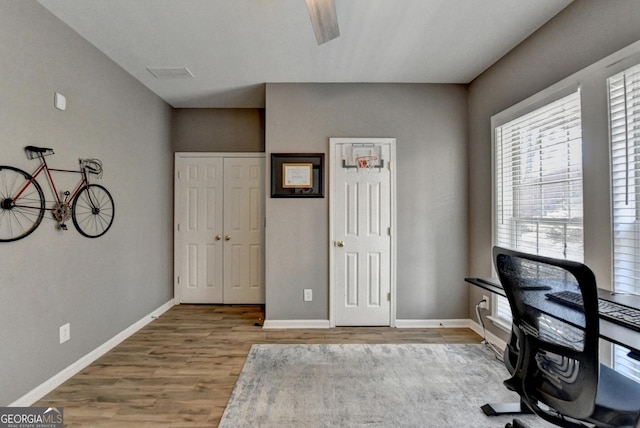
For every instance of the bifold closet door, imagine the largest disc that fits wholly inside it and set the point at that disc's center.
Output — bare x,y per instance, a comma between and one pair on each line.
199,209
219,230
243,230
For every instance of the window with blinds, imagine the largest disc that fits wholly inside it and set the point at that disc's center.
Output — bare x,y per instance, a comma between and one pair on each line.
624,126
538,183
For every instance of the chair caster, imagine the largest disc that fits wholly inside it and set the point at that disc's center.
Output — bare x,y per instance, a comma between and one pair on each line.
516,424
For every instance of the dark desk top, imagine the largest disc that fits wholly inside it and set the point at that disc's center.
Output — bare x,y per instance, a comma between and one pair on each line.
610,331
490,284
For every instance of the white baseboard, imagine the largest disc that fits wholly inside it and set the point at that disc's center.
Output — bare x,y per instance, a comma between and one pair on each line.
448,323
490,337
455,323
49,385
296,324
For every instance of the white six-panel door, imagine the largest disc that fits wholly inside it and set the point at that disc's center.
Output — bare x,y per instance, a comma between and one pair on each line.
244,230
219,215
362,250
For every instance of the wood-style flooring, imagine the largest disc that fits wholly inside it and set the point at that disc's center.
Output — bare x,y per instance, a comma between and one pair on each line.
179,370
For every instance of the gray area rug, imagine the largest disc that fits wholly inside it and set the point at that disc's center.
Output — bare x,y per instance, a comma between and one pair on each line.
419,385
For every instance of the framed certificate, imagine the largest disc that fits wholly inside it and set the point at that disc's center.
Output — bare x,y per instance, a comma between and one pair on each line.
297,175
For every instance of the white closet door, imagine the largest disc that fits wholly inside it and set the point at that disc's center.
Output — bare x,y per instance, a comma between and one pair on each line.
199,199
244,230
219,255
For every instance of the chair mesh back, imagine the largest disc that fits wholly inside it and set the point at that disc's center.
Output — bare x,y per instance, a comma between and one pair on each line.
559,340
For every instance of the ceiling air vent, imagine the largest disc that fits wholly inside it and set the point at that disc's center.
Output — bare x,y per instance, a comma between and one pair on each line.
171,73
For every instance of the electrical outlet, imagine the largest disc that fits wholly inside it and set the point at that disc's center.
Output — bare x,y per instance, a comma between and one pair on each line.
65,332
485,304
308,295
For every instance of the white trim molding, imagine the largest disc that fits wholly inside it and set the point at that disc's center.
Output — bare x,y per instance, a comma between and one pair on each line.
489,337
445,323
500,323
401,323
454,323
270,324
55,381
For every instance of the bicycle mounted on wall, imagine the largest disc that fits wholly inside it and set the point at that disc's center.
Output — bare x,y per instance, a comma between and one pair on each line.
22,202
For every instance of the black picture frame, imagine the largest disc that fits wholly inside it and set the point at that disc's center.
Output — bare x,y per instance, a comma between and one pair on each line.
279,163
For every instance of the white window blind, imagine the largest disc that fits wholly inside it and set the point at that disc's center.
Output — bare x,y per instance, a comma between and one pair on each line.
503,310
625,365
538,183
624,126
624,117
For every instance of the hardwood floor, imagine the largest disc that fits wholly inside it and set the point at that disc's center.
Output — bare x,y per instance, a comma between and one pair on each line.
179,370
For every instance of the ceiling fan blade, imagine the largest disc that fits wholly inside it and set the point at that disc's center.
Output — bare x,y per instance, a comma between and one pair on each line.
324,19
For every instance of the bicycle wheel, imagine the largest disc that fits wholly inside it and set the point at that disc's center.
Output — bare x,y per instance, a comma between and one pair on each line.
93,211
21,204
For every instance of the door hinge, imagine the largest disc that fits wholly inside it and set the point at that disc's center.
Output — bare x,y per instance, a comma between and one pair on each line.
178,279
178,227
389,231
388,296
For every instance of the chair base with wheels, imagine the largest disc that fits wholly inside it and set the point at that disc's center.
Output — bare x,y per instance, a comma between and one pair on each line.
516,424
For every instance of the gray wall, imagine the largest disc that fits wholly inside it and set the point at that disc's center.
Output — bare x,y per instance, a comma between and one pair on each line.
430,125
104,285
217,130
582,34
101,286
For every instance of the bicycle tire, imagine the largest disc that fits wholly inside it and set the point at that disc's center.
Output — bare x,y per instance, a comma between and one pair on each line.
93,211
19,217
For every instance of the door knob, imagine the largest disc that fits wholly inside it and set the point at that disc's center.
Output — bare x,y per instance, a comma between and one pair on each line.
227,237
218,237
340,244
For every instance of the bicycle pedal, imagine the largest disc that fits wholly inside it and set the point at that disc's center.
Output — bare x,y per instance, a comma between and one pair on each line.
63,226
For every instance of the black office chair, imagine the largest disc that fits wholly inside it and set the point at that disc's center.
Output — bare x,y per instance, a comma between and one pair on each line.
553,353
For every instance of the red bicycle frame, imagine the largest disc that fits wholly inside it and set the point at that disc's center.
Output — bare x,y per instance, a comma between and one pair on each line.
84,181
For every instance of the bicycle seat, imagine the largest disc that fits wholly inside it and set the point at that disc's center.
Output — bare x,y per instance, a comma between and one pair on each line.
37,149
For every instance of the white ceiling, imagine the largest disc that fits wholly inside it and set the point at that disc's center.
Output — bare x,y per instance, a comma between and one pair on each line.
232,47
